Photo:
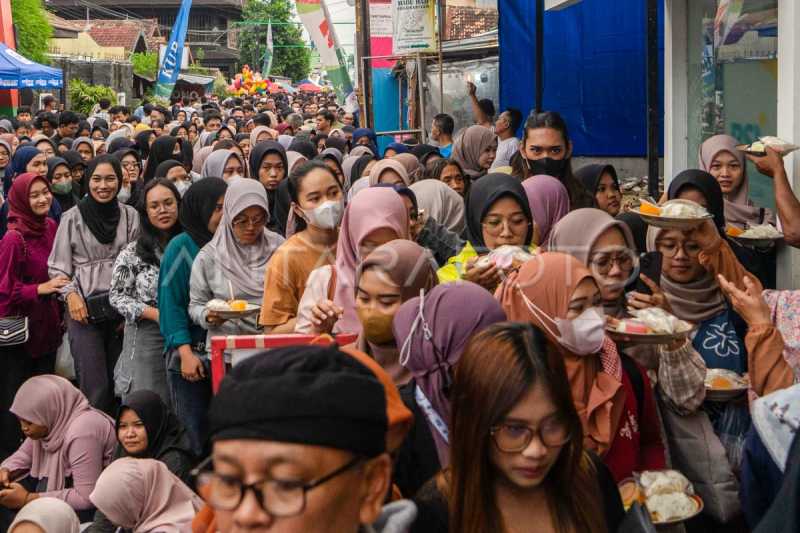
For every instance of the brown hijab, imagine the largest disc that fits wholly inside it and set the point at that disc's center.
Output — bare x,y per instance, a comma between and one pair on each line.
410,267
387,164
413,167
467,149
739,209
548,282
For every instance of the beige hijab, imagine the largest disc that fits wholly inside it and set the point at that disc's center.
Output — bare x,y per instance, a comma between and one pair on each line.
441,203
413,167
387,164
467,149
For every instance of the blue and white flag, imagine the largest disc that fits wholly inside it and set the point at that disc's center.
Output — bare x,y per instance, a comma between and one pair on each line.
171,65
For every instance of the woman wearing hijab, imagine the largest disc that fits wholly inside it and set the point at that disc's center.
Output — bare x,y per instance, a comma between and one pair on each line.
225,164
317,202
413,167
65,144
203,141
99,133
143,496
85,147
188,368
475,151
132,183
199,160
438,219
11,140
67,446
181,130
395,149
119,134
119,143
50,515
144,140
258,135
77,169
549,202
333,158
26,160
175,172
99,147
389,171
293,159
558,294
268,164
60,179
165,148
134,292
602,181
425,153
307,149
47,147
285,129
147,429
233,265
720,158
390,275
318,141
431,358
498,214
337,143
365,137
87,243
25,289
378,216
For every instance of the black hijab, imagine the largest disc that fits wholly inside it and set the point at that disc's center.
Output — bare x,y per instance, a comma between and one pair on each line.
138,185
590,175
482,195
283,204
119,143
197,206
103,131
143,142
336,142
66,201
183,125
638,228
260,152
100,122
161,151
163,169
188,154
307,149
423,151
165,432
359,166
66,141
83,125
102,219
242,137
74,159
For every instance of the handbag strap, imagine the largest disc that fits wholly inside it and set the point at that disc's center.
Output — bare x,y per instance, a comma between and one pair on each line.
24,244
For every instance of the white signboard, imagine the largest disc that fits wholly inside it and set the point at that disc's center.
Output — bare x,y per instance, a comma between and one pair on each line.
414,26
184,59
380,19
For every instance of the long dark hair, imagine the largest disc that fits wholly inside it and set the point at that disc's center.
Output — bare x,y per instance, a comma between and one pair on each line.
550,119
434,169
484,390
151,241
296,177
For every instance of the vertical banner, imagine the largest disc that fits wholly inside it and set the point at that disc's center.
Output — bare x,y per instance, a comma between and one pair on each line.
317,21
171,66
414,26
269,55
728,14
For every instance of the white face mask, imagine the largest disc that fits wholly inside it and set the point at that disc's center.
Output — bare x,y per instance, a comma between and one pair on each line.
234,177
326,216
582,335
182,186
123,195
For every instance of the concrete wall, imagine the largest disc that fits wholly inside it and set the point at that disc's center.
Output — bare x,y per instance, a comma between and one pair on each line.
635,167
115,74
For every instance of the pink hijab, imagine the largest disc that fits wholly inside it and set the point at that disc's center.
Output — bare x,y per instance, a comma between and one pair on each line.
144,496
739,209
258,131
549,201
52,402
370,210
200,158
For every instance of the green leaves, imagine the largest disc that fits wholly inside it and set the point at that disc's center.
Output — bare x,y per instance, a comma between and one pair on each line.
83,97
35,31
145,64
288,62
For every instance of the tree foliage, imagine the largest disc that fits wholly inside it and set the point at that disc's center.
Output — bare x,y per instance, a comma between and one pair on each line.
288,62
83,97
145,64
35,31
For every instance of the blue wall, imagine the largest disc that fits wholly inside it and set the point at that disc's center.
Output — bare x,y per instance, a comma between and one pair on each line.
595,71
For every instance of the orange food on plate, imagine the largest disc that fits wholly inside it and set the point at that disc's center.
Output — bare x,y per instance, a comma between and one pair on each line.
238,305
720,382
630,492
647,209
734,232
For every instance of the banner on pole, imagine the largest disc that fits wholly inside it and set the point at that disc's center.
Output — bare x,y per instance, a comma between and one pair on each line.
317,21
171,66
269,55
414,26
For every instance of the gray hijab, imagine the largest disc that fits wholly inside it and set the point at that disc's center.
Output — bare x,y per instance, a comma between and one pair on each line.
215,164
244,265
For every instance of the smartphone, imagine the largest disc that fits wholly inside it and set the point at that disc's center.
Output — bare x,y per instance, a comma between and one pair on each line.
650,266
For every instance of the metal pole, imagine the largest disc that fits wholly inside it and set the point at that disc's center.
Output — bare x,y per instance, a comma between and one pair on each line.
539,53
364,51
653,123
442,15
422,66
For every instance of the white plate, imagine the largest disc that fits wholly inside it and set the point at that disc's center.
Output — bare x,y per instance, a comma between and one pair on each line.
756,241
644,338
698,509
677,223
233,315
746,149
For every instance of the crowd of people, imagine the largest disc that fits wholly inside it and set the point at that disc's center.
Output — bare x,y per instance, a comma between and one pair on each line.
478,397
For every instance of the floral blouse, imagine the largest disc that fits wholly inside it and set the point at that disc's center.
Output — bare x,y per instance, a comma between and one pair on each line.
134,284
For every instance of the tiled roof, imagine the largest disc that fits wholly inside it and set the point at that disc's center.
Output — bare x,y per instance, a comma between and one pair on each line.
125,33
463,22
224,4
61,24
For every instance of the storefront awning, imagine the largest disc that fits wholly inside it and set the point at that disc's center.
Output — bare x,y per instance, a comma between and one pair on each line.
19,72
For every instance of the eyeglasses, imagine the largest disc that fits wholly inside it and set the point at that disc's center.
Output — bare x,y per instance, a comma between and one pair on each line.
257,223
279,498
604,263
168,205
49,153
670,248
131,166
511,439
494,227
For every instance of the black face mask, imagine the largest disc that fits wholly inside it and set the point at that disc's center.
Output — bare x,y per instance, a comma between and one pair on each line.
546,166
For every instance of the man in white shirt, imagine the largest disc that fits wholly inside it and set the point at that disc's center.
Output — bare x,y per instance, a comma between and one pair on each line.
506,128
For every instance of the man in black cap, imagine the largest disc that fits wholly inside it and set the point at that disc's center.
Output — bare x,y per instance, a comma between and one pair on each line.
299,445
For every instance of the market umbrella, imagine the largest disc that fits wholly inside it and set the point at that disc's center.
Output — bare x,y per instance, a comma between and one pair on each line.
310,87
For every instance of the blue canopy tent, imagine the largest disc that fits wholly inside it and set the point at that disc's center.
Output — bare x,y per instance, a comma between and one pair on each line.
19,72
299,83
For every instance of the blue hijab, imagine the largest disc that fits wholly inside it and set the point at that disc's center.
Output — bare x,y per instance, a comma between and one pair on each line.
400,148
361,132
18,165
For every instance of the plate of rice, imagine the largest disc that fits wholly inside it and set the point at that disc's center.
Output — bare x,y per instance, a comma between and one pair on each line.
725,385
759,148
759,235
649,326
232,309
669,496
681,215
